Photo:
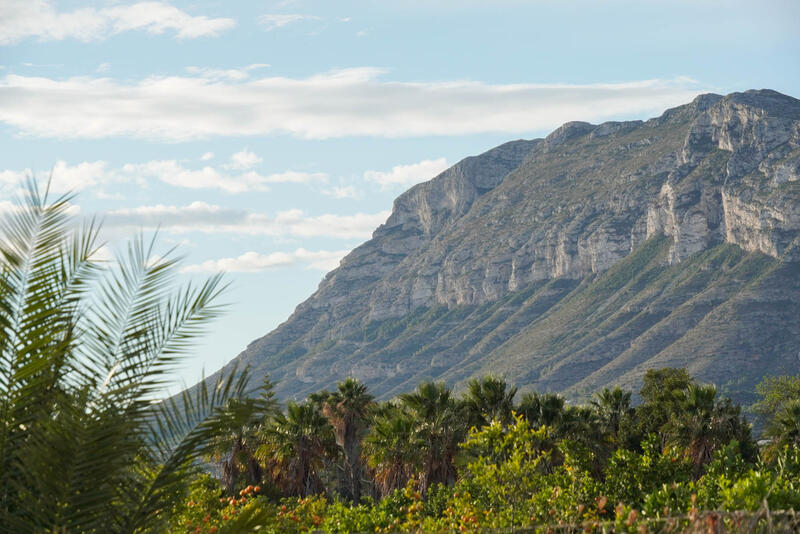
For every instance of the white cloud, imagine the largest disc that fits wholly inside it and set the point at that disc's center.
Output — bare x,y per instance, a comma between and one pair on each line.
173,173
64,177
350,102
86,175
103,67
250,262
347,191
103,253
6,207
244,160
408,175
229,74
21,19
212,219
207,156
272,22
295,177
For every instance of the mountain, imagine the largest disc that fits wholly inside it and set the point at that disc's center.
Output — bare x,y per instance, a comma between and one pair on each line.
574,262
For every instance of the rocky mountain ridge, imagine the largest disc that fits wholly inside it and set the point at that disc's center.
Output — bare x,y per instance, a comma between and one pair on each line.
546,218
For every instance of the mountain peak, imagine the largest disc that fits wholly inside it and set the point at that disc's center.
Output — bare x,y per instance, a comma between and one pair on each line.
574,262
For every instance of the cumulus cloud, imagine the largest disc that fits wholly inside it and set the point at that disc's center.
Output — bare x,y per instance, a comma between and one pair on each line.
22,19
346,191
207,156
273,21
408,175
350,102
213,219
251,262
64,177
244,160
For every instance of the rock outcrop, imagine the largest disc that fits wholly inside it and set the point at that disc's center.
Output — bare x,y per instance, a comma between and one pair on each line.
542,219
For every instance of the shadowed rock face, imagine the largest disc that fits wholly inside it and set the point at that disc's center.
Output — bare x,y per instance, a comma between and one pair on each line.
528,260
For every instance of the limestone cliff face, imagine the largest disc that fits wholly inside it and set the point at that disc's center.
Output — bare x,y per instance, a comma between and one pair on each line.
715,183
720,170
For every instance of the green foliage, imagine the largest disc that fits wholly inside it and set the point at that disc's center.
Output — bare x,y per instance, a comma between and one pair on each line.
489,399
662,392
85,347
777,392
580,474
630,475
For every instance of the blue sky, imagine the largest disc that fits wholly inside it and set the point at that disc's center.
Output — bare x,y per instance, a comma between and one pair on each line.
267,139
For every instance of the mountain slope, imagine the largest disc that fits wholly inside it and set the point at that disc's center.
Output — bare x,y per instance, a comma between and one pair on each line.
574,262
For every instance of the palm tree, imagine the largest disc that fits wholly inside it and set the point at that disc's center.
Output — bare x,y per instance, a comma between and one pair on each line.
488,399
348,410
235,448
613,406
84,351
441,425
545,409
393,449
784,429
297,444
705,425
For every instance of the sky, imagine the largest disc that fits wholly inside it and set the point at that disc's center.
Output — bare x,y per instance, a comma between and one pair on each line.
266,139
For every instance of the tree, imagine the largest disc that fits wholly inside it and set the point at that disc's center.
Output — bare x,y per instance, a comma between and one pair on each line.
488,399
393,448
84,350
776,392
613,407
348,410
784,428
545,409
662,396
441,424
705,425
296,444
235,448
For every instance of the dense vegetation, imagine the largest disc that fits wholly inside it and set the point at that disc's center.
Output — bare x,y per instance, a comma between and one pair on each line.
85,345
431,461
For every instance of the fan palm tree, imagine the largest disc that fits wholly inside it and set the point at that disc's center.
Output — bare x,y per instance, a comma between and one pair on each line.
393,449
85,349
785,427
441,425
542,409
705,425
348,410
489,399
297,443
235,448
613,406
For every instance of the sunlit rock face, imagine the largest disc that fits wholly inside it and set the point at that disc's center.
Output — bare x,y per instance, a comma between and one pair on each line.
560,214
